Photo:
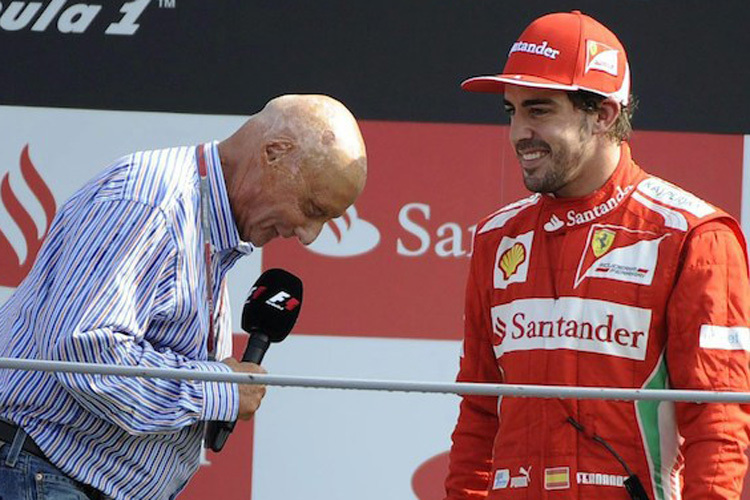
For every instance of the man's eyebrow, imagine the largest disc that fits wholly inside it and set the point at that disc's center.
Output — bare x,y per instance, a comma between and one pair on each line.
537,102
531,102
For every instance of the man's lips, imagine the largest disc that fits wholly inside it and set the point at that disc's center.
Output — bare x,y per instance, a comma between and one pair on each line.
530,158
532,155
529,151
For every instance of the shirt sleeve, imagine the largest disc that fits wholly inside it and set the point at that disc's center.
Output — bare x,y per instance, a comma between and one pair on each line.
474,435
707,349
115,281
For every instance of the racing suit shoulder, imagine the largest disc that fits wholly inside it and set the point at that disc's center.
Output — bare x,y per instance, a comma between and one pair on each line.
675,208
678,208
499,218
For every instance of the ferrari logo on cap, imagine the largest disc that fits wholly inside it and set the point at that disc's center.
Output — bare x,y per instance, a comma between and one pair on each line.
600,57
602,241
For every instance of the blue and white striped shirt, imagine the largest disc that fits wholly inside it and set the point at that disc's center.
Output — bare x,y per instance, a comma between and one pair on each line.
121,280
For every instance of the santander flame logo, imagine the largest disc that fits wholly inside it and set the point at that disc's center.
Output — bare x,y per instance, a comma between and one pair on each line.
346,236
13,270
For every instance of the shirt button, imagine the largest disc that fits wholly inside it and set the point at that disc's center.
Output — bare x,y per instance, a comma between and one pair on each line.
39,476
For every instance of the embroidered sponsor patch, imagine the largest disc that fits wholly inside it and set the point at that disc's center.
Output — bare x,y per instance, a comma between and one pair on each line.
619,253
553,224
502,478
585,325
512,260
541,49
523,478
557,478
672,196
672,218
599,479
602,241
600,57
573,218
727,338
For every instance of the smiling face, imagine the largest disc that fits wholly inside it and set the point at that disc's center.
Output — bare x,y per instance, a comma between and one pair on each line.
554,141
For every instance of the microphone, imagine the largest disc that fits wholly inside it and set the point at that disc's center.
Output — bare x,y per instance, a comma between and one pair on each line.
270,311
269,314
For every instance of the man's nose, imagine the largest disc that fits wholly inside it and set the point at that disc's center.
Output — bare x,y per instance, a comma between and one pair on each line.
308,233
519,130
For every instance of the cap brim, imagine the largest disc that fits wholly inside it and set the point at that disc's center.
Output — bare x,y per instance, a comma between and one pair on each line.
495,84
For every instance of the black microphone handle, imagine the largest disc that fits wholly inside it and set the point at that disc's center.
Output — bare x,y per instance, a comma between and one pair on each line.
257,345
217,432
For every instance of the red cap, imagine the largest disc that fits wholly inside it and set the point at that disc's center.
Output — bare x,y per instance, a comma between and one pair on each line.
563,51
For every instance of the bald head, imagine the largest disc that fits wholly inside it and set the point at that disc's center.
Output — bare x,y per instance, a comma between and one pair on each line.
299,148
320,123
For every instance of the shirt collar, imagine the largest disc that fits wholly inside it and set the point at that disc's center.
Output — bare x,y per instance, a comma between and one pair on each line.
223,228
562,214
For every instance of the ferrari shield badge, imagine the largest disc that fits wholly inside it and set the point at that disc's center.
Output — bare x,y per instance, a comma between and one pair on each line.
602,241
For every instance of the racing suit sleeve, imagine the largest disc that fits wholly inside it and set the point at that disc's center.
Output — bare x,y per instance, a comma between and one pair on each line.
474,435
707,349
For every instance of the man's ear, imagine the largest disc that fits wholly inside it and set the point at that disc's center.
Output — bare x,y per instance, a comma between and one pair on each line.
606,116
275,149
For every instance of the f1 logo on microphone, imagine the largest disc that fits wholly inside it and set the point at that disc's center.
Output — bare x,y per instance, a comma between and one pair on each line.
283,301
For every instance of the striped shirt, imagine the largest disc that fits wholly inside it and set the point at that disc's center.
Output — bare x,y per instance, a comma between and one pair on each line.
121,279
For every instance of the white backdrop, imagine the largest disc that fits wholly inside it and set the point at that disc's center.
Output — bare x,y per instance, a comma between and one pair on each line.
338,444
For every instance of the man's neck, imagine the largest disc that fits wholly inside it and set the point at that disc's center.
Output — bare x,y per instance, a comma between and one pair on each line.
225,161
595,173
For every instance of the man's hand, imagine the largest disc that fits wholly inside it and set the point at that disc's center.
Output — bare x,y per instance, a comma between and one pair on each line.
250,395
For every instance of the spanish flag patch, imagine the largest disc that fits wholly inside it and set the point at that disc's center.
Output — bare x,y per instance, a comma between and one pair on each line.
557,478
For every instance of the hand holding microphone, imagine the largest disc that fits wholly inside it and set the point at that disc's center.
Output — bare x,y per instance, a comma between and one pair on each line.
250,394
269,313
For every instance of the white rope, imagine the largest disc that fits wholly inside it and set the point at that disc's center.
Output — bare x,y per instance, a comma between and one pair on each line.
461,388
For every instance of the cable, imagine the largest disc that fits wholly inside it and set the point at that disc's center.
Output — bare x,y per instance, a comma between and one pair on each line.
632,484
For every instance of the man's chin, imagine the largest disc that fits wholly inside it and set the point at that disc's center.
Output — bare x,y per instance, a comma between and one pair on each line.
534,185
542,184
260,240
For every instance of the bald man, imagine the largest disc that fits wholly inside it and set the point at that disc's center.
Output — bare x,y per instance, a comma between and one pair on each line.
122,280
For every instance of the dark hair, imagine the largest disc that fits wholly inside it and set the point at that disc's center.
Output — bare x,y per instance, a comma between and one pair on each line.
589,102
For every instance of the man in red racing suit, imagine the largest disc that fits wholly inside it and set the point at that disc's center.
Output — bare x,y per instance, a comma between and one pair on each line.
606,277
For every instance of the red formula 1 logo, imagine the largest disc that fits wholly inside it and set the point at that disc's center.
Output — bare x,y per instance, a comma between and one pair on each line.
283,301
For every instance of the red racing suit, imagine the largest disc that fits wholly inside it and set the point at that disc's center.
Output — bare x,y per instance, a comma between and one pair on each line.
638,285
